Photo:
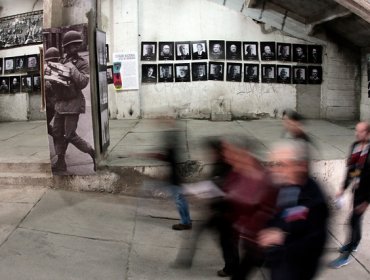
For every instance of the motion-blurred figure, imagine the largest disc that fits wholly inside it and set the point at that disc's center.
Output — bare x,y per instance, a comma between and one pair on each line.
358,174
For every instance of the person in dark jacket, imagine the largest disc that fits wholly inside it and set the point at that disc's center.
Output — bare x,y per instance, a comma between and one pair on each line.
295,238
358,176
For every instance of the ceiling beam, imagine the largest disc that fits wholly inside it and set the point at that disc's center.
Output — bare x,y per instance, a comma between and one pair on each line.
358,7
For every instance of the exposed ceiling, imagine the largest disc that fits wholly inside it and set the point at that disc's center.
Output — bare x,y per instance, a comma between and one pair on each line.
344,20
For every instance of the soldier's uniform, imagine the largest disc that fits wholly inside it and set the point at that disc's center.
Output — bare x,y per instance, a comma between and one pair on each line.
69,104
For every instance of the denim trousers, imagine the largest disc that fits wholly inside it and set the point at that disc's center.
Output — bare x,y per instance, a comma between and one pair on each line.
182,205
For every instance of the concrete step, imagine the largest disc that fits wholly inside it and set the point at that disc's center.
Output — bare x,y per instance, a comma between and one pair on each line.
17,179
25,167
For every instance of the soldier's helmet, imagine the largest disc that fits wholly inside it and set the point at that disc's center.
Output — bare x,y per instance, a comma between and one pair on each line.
71,37
52,53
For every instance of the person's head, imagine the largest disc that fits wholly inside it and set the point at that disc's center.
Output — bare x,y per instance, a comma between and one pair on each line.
149,49
20,63
293,122
314,52
362,131
3,82
200,71
71,43
315,73
15,81
300,73
166,49
284,50
299,51
182,49
28,81
199,47
183,72
166,71
233,48
268,72
216,69
150,71
248,49
283,73
216,48
250,70
267,49
52,54
233,70
289,163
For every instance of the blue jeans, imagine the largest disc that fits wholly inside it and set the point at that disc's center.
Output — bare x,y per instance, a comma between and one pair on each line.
182,205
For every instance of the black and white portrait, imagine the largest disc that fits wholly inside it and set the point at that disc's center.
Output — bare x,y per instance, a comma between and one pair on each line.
234,72
284,75
166,50
110,74
26,84
268,51
299,75
250,50
32,63
20,64
183,50
199,71
15,84
234,50
9,65
216,49
216,71
314,53
36,82
199,50
106,52
251,73
21,29
4,85
148,73
314,74
1,65
299,53
165,73
182,72
148,51
284,52
268,73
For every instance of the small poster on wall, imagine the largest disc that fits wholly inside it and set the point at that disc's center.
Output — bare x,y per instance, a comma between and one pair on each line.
182,72
234,50
183,51
216,49
284,74
268,73
149,73
300,74
165,73
148,50
314,53
250,50
199,71
251,74
128,69
166,50
234,72
4,84
199,49
216,71
314,74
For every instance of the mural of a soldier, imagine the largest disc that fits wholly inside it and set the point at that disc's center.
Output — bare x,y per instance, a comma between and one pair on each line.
70,102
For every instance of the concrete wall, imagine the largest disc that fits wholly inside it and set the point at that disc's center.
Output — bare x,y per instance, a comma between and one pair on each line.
365,100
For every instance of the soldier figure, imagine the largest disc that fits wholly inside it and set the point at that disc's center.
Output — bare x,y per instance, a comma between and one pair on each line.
70,102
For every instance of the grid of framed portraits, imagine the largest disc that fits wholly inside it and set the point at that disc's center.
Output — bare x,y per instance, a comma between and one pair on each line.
16,84
217,51
20,64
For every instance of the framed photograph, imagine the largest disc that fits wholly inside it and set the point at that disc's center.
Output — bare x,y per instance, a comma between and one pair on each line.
251,73
26,84
36,82
299,53
106,52
20,64
199,71
148,51
284,52
165,73
284,74
234,50
216,49
199,50
268,51
1,65
166,50
4,85
268,73
15,84
216,71
182,72
9,65
33,62
314,74
183,50
110,74
234,72
21,29
250,50
299,75
314,53
148,73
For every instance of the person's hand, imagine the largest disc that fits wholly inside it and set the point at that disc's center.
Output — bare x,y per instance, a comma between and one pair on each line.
339,193
270,237
359,209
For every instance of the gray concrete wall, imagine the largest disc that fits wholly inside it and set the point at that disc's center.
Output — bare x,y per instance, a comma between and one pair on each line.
365,100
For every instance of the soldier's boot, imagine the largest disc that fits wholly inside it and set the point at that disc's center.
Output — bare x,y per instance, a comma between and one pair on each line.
60,164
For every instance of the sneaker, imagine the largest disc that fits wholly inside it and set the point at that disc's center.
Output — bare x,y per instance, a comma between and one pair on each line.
339,262
181,227
223,273
346,248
